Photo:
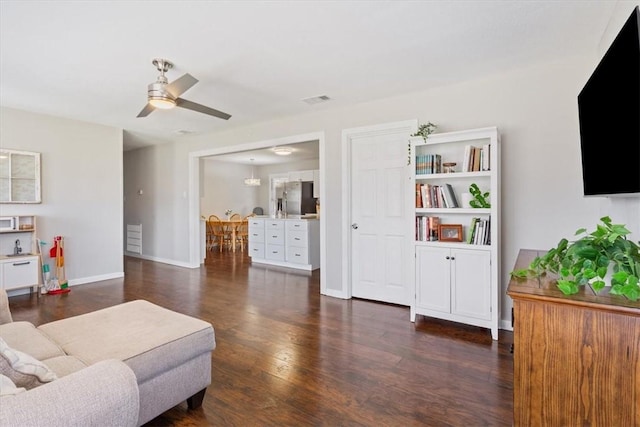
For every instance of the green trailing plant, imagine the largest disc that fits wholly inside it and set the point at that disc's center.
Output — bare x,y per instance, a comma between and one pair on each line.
589,258
480,199
424,131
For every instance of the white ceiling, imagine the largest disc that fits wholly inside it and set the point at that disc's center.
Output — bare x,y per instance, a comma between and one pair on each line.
256,60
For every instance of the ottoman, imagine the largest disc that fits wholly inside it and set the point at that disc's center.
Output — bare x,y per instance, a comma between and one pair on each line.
169,352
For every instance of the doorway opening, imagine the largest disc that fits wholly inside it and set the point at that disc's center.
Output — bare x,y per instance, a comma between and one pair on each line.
196,246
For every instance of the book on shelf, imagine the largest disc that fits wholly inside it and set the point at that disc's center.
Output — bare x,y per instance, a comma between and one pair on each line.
434,223
419,195
452,201
479,231
472,230
427,228
476,159
486,158
428,164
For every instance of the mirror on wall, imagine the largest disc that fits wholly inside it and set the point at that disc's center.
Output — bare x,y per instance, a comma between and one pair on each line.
19,177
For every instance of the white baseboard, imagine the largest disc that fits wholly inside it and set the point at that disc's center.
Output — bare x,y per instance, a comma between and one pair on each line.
163,260
74,282
334,294
98,278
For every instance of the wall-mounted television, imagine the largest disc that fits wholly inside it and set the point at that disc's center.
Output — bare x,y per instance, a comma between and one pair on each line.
609,115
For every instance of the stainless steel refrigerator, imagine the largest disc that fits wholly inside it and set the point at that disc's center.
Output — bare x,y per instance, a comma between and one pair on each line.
295,198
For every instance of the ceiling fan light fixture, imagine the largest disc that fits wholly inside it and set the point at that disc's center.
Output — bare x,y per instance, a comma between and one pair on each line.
162,103
283,151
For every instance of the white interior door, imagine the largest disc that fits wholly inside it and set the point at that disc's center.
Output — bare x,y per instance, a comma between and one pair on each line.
381,225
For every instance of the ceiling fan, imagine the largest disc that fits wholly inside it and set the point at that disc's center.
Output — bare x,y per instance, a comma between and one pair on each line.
164,95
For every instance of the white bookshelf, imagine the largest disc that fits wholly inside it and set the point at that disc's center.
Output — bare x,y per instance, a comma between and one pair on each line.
459,281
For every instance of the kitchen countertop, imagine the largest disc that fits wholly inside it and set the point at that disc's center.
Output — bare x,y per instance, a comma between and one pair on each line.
289,217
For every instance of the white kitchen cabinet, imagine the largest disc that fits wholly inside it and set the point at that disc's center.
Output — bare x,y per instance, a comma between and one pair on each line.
274,240
301,175
256,238
287,242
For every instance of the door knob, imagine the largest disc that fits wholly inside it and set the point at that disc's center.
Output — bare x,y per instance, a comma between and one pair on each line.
354,226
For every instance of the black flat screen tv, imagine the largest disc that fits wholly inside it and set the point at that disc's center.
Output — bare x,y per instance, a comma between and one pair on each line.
609,116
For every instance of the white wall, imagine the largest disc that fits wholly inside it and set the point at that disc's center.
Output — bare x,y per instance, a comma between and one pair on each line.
81,189
223,188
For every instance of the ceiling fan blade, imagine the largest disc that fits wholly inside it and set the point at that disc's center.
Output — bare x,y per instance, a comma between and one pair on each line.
146,110
201,109
181,85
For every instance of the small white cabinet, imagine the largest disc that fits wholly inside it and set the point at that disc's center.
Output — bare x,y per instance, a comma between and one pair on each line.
289,242
454,284
19,270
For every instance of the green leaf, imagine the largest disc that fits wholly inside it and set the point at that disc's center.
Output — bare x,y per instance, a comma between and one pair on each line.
567,287
597,285
631,291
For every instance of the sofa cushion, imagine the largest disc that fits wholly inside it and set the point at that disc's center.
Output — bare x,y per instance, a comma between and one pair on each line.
24,370
64,365
25,337
149,338
8,388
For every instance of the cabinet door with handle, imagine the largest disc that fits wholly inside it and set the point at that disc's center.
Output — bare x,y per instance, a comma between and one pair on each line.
19,272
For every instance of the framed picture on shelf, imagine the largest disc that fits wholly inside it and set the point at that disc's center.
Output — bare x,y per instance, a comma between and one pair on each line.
450,232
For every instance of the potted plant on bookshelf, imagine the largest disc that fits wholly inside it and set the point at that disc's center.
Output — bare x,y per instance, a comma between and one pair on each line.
480,199
424,131
589,259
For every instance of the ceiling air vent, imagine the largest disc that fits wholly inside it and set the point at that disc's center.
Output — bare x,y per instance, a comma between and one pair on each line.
316,99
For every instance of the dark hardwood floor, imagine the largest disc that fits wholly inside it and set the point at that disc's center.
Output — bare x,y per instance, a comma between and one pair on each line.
287,356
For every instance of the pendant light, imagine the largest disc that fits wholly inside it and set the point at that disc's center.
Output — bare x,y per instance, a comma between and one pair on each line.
252,182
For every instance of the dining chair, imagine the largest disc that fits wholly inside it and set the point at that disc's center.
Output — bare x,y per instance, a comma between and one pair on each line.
242,232
209,235
219,233
235,217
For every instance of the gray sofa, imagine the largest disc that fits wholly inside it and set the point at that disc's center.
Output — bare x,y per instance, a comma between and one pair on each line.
119,366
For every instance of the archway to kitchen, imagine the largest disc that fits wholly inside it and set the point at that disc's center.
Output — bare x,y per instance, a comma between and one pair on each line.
196,254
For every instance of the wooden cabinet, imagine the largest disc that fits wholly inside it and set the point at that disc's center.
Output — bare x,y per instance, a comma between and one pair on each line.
293,243
457,280
454,284
20,269
576,357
